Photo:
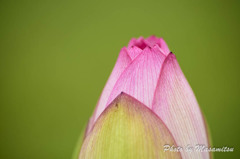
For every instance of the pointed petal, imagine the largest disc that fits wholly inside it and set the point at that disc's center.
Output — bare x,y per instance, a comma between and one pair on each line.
159,43
122,62
163,46
140,43
152,40
127,129
134,51
175,103
140,78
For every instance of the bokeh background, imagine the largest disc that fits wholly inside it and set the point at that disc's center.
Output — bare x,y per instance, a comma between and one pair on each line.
55,57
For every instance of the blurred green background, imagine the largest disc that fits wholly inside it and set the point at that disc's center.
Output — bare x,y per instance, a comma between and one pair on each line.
55,57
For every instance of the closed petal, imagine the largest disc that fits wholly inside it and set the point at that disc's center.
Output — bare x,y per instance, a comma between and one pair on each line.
174,102
134,51
140,78
163,46
150,42
122,62
140,43
127,129
154,41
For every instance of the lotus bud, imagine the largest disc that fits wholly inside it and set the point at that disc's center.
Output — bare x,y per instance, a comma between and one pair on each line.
146,104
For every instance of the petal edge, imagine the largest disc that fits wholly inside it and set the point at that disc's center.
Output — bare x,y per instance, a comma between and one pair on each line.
128,129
